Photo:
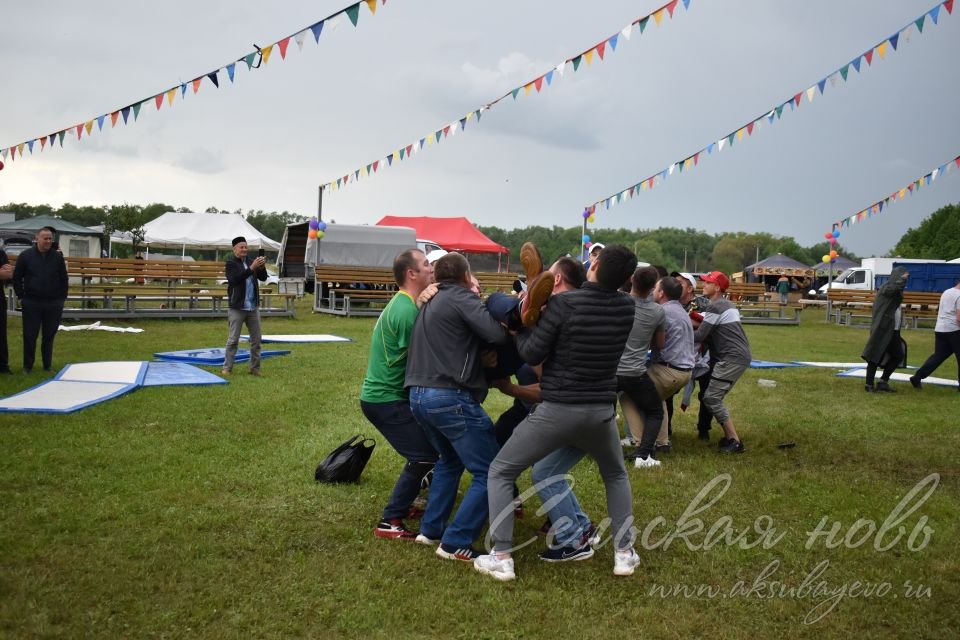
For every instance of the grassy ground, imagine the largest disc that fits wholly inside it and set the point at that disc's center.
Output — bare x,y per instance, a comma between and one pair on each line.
192,511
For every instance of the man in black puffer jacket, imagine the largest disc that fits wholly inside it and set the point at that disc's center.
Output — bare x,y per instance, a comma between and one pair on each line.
579,340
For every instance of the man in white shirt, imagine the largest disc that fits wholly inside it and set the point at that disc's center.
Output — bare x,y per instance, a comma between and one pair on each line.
947,336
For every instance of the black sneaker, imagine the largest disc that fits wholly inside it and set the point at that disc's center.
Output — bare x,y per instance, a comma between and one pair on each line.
568,553
393,529
463,554
868,388
703,435
915,381
733,446
661,448
885,387
723,442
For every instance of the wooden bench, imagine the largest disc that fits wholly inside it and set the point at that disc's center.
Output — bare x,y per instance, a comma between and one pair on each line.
349,291
850,306
491,281
769,313
746,291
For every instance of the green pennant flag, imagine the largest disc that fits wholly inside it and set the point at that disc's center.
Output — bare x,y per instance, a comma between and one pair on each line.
576,62
478,115
353,13
779,111
136,111
730,139
438,134
643,23
249,60
368,169
402,152
514,93
60,137
844,70
919,22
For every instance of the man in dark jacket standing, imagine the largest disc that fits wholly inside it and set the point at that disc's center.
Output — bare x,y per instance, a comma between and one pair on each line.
40,282
6,273
579,340
447,385
243,294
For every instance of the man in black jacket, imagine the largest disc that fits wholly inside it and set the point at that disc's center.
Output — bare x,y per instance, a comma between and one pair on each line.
243,294
6,273
40,282
579,340
447,385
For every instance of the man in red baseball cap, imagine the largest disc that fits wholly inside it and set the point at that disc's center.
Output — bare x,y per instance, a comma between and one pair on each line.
730,351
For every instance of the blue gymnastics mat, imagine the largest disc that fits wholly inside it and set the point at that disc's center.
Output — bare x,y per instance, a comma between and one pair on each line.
213,356
178,373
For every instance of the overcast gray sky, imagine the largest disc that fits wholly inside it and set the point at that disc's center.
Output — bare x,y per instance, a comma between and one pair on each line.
268,140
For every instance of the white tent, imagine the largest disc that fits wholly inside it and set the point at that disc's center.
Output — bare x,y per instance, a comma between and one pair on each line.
200,231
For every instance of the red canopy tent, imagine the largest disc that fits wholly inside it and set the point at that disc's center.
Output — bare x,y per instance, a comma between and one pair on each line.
453,234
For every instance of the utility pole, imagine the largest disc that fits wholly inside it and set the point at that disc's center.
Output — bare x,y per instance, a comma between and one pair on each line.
684,259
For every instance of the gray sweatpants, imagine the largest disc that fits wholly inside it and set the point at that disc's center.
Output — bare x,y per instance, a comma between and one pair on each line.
725,375
592,428
235,320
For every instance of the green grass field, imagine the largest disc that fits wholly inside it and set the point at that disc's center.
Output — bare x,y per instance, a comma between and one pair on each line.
192,511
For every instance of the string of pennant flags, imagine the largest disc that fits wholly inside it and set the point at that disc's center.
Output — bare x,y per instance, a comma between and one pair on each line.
537,85
877,207
870,56
254,60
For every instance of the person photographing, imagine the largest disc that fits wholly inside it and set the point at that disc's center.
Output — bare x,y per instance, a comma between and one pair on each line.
243,293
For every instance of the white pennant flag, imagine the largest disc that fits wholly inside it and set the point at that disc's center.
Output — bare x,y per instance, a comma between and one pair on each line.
299,39
833,79
670,171
720,144
933,176
810,93
560,67
627,30
334,22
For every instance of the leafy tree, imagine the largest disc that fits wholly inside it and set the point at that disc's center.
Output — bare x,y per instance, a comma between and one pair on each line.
126,218
273,224
938,236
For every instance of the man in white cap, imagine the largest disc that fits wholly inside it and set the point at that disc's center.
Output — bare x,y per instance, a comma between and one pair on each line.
595,250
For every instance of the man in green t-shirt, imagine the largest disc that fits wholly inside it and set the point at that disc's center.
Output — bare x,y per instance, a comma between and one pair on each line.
385,402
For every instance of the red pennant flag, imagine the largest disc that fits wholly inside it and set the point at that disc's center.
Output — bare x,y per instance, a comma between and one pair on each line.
159,100
671,7
79,131
750,129
696,158
631,190
600,48
43,142
948,5
796,99
446,131
957,161
196,85
409,149
113,118
538,83
283,47
376,163
869,56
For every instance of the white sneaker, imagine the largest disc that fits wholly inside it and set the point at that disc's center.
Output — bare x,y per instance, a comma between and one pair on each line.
422,539
494,567
646,463
624,562
628,442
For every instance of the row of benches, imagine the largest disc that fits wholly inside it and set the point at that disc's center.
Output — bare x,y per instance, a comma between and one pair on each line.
133,288
851,307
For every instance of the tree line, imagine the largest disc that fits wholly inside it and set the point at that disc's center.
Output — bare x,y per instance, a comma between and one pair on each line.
938,236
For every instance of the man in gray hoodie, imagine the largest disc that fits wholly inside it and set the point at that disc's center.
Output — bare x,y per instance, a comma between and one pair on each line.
446,383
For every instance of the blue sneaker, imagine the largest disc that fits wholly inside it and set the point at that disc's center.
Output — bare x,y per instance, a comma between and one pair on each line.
568,553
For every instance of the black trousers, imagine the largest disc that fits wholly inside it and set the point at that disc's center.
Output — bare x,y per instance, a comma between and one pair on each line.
40,317
4,354
946,344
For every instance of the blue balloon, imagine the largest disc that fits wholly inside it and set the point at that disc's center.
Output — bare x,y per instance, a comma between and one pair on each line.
322,226
586,238
836,233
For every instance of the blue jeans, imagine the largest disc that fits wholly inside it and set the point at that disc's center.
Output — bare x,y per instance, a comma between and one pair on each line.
566,515
462,433
397,425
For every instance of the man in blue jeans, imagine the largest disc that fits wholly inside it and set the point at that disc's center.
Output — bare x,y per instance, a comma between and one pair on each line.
384,399
446,384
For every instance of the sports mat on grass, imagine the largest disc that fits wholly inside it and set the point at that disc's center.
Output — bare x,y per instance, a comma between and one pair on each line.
213,356
77,386
767,364
299,338
178,373
899,377
835,365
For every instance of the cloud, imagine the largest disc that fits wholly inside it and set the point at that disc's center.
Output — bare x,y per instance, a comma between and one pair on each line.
201,161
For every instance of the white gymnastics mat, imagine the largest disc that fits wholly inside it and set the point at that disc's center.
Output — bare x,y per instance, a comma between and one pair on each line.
899,377
78,386
836,365
316,337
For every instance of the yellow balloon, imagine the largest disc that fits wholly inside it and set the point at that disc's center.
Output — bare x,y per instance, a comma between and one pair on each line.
591,219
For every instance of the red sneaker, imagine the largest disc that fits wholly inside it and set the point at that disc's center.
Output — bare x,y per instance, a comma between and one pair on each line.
393,529
415,513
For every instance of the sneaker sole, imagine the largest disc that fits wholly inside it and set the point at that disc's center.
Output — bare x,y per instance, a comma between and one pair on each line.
583,555
537,296
451,556
393,535
424,540
530,259
502,577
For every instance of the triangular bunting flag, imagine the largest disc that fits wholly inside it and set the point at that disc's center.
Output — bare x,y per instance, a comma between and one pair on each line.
231,69
881,49
686,4
298,38
720,144
527,88
549,76
561,67
588,56
948,5
316,29
643,23
627,31
821,85
844,70
438,134
934,13
249,58
88,126
196,85
710,148
402,153
893,40
100,122
613,42
600,49
658,16
515,92
463,123
750,129
125,112
919,23
538,83
856,63
213,78
671,7
60,137
868,56
136,112
812,90
265,53
183,89
576,62
30,144
171,95
283,44
353,13
158,99
376,163
43,142
373,6
796,99
113,118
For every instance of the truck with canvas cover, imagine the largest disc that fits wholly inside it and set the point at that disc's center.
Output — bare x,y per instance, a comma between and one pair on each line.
925,275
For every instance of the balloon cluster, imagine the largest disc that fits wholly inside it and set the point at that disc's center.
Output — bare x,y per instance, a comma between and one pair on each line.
588,216
317,228
586,242
831,237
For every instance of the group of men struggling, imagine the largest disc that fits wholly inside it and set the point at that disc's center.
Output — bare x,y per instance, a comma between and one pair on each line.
576,340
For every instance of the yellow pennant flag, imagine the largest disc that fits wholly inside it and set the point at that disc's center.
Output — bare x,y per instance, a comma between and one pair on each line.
373,6
171,95
588,56
903,193
882,49
810,93
527,88
20,149
658,16
689,161
88,127
265,52
740,134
